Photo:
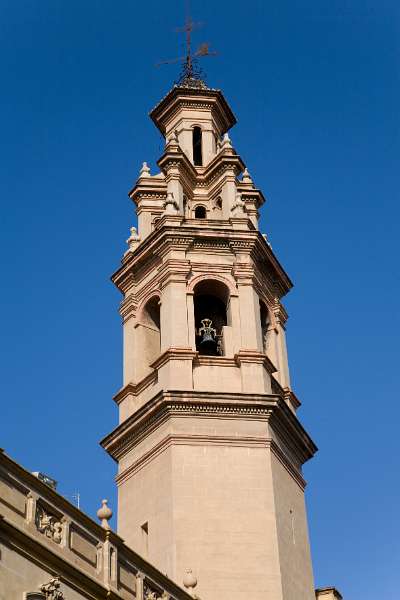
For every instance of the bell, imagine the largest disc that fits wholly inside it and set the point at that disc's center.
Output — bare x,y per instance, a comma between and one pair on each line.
208,343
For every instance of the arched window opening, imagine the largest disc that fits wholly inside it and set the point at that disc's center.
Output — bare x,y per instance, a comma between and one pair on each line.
197,147
211,302
149,331
265,325
200,212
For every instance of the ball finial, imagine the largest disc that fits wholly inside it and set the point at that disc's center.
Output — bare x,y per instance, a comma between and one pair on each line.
189,580
104,514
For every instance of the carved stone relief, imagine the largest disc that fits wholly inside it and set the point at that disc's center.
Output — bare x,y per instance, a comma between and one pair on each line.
48,524
51,590
151,594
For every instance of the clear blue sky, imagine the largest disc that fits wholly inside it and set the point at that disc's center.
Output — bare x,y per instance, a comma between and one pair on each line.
315,87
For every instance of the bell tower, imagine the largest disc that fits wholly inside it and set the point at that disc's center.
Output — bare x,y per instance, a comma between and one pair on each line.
209,447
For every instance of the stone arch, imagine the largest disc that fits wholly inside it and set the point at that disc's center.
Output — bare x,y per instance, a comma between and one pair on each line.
197,145
200,211
148,333
214,276
149,296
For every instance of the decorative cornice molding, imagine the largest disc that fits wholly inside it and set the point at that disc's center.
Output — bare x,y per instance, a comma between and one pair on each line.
255,357
182,236
211,405
128,308
214,361
134,389
196,99
280,313
173,353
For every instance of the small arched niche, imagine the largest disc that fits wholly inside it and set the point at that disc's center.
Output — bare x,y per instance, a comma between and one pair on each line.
200,212
149,335
197,146
211,316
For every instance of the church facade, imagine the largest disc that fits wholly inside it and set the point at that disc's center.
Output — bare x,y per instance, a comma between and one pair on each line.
209,447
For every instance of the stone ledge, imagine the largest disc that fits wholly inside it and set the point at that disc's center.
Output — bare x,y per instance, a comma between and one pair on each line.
166,404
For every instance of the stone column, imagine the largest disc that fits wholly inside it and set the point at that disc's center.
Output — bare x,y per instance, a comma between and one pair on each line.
190,321
175,363
255,378
280,316
128,314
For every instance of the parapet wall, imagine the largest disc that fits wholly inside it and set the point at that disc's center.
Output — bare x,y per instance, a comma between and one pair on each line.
48,547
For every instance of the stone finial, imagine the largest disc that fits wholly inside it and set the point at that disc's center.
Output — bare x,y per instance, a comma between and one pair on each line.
104,514
144,171
132,241
267,240
246,176
238,209
189,580
172,141
171,205
226,142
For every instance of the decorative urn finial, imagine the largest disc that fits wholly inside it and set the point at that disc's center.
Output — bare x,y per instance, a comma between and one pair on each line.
226,142
172,140
246,176
104,514
189,580
267,240
132,241
144,171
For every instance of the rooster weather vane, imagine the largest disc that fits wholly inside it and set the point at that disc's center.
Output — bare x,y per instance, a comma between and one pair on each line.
191,73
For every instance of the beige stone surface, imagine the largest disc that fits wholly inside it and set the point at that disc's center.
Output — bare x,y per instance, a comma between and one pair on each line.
209,449
43,536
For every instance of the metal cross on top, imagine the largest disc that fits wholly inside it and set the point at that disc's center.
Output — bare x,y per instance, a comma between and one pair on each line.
191,73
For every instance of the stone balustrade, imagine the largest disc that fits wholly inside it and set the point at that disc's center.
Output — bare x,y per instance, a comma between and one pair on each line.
54,551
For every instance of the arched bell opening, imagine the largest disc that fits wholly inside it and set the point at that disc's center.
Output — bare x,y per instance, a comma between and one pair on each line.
265,326
200,212
197,147
149,331
211,315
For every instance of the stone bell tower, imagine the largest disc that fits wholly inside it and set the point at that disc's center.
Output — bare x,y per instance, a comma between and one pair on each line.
209,448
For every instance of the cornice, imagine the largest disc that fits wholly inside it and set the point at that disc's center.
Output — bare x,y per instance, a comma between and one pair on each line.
280,313
134,389
173,269
251,194
173,353
152,188
219,164
180,97
291,398
187,171
214,361
182,235
255,357
166,404
128,308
